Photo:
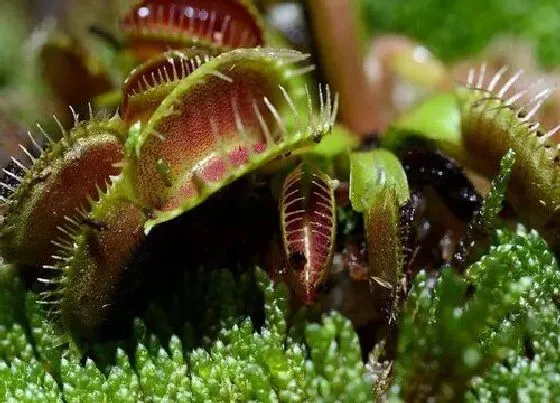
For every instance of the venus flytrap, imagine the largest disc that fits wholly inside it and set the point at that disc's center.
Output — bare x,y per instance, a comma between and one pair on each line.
197,124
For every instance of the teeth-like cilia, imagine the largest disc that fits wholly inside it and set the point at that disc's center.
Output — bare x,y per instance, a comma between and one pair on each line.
154,26
198,114
150,83
48,187
96,249
495,119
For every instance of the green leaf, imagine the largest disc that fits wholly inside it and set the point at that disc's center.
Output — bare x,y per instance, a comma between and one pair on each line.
385,249
369,172
437,119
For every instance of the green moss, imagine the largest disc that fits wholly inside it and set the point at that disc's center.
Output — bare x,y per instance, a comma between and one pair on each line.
527,375
239,364
478,233
456,331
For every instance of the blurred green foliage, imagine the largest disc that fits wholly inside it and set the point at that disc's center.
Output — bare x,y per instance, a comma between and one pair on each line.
13,29
453,29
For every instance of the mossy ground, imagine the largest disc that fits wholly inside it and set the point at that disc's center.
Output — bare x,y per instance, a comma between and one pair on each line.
220,356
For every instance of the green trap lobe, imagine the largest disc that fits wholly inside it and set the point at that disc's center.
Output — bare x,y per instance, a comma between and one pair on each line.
98,264
148,85
490,130
54,188
73,75
214,126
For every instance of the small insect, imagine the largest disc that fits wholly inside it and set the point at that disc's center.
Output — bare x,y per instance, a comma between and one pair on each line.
94,224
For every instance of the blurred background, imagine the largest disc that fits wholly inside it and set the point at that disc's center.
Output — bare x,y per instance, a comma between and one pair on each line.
382,56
